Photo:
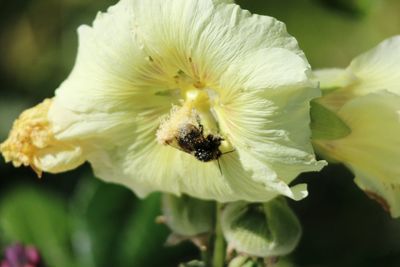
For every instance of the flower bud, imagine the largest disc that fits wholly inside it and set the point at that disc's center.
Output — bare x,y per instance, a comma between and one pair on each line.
261,229
188,218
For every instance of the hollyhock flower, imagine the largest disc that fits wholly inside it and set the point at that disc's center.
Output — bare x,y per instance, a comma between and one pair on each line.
375,70
190,96
366,96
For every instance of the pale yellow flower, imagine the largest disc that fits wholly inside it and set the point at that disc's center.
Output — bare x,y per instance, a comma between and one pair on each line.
377,69
366,96
149,73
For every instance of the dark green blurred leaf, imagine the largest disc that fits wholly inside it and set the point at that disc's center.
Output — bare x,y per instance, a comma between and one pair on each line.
349,7
113,228
10,108
330,38
100,211
142,238
33,216
141,242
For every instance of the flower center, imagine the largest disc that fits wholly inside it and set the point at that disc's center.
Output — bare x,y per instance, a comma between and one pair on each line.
200,102
193,127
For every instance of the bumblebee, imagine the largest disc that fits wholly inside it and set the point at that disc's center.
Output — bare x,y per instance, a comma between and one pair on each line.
191,139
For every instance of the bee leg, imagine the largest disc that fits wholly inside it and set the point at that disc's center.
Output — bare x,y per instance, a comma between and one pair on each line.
201,128
229,152
219,166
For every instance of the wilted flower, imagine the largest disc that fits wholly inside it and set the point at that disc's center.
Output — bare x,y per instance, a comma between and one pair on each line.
32,143
190,96
366,96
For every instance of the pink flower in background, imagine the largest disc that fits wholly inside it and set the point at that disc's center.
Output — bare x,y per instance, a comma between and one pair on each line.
18,255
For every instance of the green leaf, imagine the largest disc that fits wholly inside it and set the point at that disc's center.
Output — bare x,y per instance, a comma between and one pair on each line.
36,217
325,124
99,211
10,108
142,238
354,7
113,228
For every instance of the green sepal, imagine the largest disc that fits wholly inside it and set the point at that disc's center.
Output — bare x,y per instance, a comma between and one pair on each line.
329,90
325,124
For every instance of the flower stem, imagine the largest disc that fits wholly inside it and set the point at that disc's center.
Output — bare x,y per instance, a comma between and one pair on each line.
219,242
206,257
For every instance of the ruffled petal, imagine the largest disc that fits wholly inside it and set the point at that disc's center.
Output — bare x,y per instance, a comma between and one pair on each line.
331,79
379,68
375,70
202,38
267,116
58,159
146,166
113,80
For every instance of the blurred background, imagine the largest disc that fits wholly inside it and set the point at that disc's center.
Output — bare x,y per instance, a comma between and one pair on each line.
77,220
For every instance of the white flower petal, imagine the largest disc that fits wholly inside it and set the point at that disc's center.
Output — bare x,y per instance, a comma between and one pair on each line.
386,193
202,38
113,80
267,116
146,167
60,159
330,79
379,68
375,70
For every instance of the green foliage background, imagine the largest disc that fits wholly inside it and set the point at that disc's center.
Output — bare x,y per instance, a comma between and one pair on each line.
77,220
